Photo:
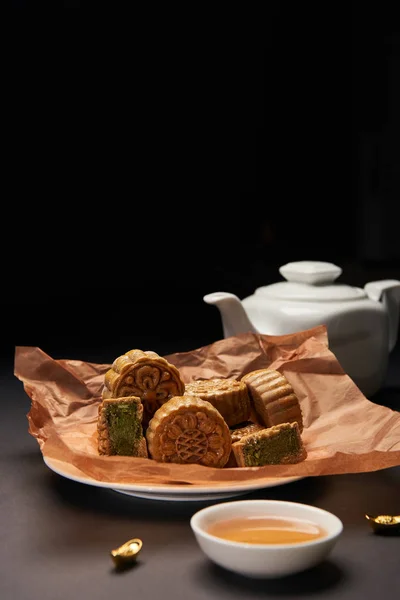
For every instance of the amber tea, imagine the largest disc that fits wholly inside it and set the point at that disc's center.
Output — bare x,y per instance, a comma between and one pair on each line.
267,530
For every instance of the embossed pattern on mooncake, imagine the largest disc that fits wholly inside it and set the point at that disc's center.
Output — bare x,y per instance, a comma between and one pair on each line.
146,375
273,397
229,396
189,430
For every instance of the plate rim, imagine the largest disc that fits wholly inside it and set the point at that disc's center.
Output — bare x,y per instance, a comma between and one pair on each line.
194,489
200,497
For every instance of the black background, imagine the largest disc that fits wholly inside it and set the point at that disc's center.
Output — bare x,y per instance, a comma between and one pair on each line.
151,161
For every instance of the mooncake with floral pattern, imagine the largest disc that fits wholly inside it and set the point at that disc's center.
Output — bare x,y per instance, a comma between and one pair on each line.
188,430
146,375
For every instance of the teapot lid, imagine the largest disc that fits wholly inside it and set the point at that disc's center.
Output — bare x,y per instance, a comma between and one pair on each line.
311,280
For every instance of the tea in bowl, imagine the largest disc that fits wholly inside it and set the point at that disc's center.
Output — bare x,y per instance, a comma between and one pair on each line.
265,538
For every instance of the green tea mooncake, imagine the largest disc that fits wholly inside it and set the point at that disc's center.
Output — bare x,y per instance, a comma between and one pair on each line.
277,445
119,427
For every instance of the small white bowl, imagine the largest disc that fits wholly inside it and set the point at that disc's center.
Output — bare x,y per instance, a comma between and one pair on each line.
265,560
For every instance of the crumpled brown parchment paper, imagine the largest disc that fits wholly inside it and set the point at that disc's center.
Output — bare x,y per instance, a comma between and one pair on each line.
343,431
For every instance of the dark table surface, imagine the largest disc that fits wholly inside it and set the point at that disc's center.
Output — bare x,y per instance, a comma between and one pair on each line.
56,534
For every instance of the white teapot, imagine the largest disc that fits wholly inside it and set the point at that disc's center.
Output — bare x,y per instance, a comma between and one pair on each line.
362,324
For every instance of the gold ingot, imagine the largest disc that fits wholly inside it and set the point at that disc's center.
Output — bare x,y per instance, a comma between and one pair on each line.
126,554
384,523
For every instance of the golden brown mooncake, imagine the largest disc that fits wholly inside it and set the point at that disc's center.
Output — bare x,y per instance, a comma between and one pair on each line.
229,396
277,445
273,398
145,375
119,427
189,430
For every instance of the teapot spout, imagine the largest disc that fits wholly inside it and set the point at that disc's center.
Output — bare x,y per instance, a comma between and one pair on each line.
387,291
234,317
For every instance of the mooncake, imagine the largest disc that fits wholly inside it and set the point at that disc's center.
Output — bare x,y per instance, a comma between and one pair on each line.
273,398
189,430
229,396
277,445
145,375
245,429
237,433
119,427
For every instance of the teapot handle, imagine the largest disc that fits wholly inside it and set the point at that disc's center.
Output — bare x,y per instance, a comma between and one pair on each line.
387,291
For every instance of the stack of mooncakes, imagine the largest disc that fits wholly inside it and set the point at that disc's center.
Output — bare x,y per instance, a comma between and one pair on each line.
148,410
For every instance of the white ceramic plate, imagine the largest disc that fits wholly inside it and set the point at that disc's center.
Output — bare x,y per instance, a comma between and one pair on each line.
167,492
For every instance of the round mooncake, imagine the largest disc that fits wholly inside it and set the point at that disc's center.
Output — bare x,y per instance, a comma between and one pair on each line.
189,430
229,396
274,399
146,375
